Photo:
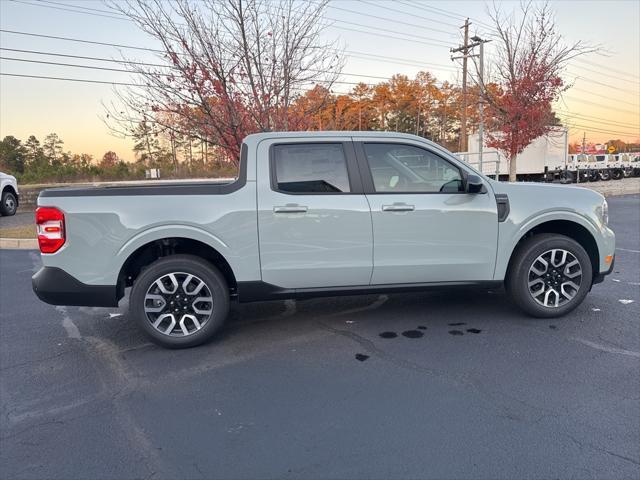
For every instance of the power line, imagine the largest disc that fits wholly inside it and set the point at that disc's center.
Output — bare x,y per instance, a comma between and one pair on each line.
606,97
610,132
586,79
82,80
609,107
387,19
444,13
424,40
452,25
117,45
68,9
159,65
67,79
595,120
92,67
356,54
83,57
595,64
600,119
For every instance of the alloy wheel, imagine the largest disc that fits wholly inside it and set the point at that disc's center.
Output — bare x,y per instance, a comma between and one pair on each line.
554,278
178,304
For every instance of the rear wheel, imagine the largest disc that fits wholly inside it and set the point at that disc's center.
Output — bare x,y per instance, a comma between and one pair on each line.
180,301
9,204
549,275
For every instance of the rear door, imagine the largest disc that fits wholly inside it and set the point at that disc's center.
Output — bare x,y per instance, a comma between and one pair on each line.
313,218
425,227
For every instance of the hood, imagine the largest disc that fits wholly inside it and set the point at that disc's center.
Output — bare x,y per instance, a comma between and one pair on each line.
544,190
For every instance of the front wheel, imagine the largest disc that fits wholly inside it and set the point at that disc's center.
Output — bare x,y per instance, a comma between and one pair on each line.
549,275
180,301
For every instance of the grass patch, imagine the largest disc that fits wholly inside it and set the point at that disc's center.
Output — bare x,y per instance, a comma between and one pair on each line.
24,231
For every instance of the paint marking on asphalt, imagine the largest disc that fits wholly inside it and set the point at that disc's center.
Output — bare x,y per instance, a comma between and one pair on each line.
113,315
595,309
605,348
628,250
626,301
67,323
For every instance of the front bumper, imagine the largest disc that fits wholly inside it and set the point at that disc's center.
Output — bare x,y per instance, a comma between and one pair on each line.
55,286
599,278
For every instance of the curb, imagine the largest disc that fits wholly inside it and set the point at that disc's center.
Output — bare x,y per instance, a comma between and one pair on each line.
19,243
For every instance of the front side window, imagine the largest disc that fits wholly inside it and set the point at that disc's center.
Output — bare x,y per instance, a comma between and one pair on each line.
398,168
310,168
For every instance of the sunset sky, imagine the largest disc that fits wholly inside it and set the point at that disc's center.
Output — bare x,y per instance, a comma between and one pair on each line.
604,102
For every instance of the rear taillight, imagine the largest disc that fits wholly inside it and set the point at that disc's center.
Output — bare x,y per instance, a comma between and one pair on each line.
50,225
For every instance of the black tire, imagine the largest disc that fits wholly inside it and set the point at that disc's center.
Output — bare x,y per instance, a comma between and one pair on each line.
584,176
213,280
518,276
593,176
617,174
9,204
568,176
604,175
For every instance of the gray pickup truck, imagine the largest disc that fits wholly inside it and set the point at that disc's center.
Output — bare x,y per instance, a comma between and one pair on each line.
318,214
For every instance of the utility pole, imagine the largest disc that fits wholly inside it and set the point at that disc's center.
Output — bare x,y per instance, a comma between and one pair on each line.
464,48
481,107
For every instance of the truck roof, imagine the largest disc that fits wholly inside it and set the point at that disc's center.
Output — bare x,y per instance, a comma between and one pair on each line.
256,137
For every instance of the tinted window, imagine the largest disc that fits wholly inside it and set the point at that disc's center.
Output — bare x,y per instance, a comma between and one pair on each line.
311,168
404,169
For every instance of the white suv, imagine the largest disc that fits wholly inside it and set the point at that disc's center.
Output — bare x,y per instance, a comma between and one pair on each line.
9,189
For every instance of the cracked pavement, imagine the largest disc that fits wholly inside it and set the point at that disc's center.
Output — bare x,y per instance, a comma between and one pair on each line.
309,389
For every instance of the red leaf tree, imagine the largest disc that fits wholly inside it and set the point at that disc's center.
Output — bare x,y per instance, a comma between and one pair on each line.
226,68
530,57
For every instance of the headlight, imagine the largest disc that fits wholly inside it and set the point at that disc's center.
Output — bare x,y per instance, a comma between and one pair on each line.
604,213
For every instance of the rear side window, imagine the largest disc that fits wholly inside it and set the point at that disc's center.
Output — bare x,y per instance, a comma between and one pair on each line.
310,168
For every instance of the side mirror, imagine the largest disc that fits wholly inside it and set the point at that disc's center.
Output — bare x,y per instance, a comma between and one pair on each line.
474,184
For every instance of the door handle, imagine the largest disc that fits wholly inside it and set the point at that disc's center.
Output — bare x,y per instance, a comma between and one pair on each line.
290,209
397,207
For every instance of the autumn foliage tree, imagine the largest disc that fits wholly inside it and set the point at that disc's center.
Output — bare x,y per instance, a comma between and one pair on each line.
531,56
227,68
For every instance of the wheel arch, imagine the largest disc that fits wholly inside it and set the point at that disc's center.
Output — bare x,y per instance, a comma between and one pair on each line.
9,188
562,226
152,250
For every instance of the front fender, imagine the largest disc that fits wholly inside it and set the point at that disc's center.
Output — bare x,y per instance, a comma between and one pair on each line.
510,233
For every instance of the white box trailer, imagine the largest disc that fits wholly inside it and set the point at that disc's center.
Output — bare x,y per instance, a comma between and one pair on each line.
547,159
548,151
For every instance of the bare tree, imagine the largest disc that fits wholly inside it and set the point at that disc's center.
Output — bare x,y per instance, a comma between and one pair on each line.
229,67
527,77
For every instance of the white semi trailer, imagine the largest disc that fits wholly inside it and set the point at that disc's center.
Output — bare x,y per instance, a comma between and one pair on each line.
547,159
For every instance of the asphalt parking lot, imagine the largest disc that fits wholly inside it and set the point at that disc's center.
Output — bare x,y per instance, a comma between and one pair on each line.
447,384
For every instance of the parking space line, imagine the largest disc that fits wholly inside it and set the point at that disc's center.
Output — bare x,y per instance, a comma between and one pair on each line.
605,348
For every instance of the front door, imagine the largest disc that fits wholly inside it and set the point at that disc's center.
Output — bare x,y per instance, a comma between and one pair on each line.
313,218
425,227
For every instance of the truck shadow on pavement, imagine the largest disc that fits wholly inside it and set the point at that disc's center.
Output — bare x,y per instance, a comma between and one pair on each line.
254,327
